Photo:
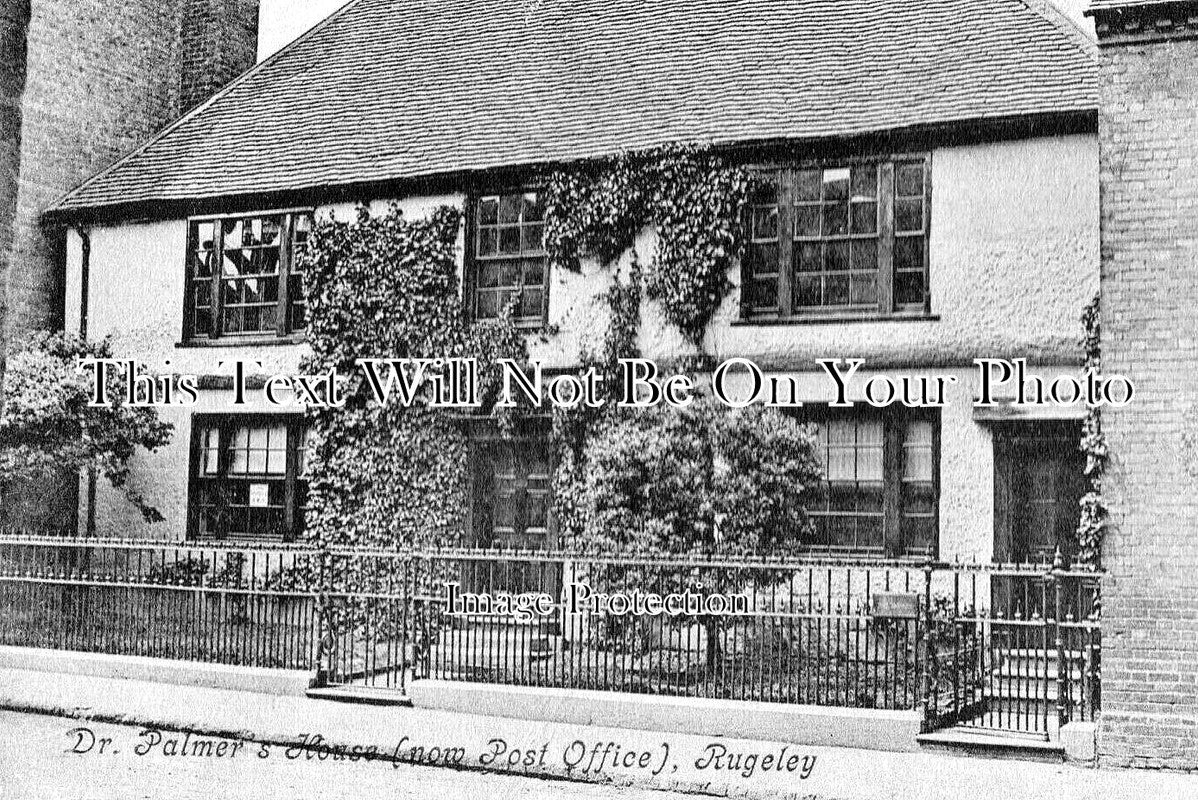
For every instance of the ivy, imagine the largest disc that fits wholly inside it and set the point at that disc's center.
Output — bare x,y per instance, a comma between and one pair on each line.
690,196
387,287
1092,525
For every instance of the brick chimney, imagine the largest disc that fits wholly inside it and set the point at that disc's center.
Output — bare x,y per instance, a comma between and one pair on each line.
220,41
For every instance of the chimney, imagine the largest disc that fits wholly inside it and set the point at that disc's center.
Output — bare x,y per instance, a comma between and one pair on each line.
220,41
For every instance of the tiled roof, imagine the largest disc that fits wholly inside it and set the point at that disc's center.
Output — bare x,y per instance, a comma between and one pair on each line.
396,89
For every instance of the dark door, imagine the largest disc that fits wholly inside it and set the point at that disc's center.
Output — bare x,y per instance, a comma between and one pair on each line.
1039,483
1038,486
511,511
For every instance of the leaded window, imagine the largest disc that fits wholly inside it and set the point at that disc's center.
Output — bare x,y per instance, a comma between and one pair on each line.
837,239
244,276
249,477
879,495
508,261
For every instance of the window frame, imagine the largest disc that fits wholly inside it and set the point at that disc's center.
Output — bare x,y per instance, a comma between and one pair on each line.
471,262
894,421
283,328
886,307
296,425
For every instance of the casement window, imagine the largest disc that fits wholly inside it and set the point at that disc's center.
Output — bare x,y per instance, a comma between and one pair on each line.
248,477
506,262
880,493
243,276
838,240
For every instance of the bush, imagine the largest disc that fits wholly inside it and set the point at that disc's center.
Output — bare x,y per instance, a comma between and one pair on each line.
47,429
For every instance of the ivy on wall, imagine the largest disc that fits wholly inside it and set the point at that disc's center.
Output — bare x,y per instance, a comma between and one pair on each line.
690,196
387,287
1092,525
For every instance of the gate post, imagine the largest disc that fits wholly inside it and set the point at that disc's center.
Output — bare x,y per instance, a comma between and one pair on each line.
923,650
1056,577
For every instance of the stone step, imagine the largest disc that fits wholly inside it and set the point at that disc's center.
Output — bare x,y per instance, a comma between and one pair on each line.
1021,690
1049,672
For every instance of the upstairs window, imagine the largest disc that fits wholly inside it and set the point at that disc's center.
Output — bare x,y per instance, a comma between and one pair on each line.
248,478
244,276
507,261
838,240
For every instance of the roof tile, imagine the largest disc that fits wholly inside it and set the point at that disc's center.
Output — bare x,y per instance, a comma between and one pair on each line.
393,89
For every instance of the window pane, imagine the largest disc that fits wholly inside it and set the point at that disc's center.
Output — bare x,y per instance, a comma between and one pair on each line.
909,180
808,290
530,302
806,220
865,182
488,242
865,218
488,211
908,253
908,215
908,288
808,256
836,219
487,307
765,190
509,208
765,222
864,288
808,184
865,254
836,256
534,273
509,240
534,210
532,237
836,184
836,290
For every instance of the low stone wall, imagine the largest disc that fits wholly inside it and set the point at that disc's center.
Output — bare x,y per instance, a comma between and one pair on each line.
808,725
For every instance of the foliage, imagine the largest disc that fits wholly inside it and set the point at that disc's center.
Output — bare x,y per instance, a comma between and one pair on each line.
386,476
387,287
700,480
48,430
691,197
573,427
1092,525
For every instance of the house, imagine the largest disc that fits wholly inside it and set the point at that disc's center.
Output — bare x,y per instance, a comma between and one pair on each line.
932,197
960,136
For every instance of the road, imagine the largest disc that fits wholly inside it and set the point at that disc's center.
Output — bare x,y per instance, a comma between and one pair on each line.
37,760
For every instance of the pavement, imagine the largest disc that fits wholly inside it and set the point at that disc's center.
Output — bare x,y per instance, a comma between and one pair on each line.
307,747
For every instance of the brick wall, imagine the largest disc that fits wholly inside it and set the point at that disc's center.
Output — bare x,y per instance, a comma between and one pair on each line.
1149,171
220,41
14,22
82,83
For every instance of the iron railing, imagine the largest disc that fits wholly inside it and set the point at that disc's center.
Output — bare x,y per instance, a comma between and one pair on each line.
210,603
1013,648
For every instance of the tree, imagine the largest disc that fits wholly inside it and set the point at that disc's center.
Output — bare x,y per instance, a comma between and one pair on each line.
49,432
700,481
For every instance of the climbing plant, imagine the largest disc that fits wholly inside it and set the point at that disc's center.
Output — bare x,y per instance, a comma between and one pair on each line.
387,287
691,197
1092,525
